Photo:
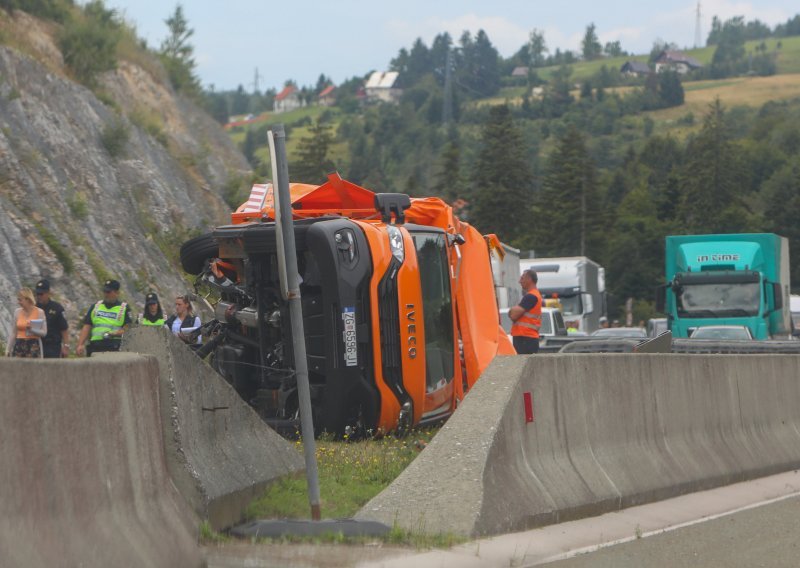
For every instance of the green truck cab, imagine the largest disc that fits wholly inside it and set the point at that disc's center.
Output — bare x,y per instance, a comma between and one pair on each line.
738,279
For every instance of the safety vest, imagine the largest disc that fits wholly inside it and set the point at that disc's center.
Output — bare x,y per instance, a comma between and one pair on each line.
529,323
105,320
146,321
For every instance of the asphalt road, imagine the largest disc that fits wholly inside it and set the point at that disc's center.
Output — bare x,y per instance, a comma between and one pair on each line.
747,525
766,536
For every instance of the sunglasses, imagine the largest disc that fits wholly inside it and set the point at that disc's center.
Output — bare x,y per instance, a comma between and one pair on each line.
41,293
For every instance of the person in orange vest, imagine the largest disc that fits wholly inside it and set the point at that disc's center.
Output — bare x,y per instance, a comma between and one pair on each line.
527,315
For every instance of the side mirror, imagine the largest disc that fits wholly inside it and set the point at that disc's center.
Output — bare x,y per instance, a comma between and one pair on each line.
777,295
661,299
588,303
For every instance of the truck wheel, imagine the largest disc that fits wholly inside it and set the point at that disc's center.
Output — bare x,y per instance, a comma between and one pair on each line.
196,251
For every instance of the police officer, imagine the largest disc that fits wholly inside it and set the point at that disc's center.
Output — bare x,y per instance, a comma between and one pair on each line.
56,343
153,314
105,322
527,315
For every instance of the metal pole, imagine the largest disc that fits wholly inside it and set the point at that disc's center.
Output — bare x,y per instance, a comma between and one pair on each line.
286,227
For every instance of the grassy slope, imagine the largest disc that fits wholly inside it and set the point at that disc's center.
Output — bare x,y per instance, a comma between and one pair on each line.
338,152
788,58
350,474
750,91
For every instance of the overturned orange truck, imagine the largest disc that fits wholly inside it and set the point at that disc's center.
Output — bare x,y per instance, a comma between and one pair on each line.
398,307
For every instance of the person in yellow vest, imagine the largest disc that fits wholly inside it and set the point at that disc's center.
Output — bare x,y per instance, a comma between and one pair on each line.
104,323
527,315
153,315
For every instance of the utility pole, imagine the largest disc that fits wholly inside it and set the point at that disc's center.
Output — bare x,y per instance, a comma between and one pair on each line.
256,82
290,289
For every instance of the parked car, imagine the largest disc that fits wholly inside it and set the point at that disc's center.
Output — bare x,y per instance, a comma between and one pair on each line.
618,332
724,332
552,323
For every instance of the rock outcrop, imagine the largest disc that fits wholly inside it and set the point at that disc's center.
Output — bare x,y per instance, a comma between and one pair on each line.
91,188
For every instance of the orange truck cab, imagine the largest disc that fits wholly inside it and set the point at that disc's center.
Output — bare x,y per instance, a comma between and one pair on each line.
398,307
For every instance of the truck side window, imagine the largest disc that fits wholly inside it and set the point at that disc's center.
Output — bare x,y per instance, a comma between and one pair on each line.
437,306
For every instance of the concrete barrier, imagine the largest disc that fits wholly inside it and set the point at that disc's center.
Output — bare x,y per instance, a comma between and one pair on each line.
83,478
219,452
609,431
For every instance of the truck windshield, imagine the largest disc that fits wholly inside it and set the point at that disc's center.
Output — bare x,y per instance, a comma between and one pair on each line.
723,299
572,305
434,274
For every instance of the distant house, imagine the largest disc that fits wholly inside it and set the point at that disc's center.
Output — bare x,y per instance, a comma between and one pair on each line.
381,87
327,97
520,72
635,69
676,61
288,99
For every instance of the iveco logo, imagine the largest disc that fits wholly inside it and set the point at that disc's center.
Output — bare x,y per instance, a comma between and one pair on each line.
411,327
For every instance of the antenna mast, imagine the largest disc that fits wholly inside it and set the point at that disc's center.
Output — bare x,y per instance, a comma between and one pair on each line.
697,35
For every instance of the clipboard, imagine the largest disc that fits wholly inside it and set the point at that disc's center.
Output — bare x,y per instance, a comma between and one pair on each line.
37,326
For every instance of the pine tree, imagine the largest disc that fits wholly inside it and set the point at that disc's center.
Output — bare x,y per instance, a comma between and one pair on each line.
590,45
502,181
569,213
313,164
781,194
447,182
177,53
670,89
634,255
711,180
537,48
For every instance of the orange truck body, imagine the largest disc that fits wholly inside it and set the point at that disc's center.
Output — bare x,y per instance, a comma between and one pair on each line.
425,316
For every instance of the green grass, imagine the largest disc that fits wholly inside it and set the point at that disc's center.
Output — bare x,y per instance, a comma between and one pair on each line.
350,474
396,536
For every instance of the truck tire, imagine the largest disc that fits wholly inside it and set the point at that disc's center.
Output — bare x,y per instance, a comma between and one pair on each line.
196,251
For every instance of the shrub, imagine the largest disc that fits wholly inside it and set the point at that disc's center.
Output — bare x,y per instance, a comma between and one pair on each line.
89,48
57,10
59,250
115,137
150,122
78,207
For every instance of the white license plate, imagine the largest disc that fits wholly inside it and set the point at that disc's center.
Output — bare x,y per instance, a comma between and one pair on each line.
349,335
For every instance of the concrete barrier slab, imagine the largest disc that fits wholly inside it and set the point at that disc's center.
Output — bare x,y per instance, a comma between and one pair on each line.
83,477
609,431
220,454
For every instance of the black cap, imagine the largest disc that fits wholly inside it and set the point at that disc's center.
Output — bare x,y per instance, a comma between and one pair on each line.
110,285
43,286
151,298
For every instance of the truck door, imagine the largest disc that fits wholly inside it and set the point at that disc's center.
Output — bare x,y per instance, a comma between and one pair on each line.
437,307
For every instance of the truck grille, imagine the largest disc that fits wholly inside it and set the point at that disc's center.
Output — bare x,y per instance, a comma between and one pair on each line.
389,310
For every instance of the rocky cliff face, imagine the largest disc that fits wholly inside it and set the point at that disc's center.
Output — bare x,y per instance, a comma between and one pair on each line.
93,189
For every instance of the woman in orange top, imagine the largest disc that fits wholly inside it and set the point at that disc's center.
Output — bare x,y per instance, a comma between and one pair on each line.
27,328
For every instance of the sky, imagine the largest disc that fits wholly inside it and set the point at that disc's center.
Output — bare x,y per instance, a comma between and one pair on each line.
299,40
